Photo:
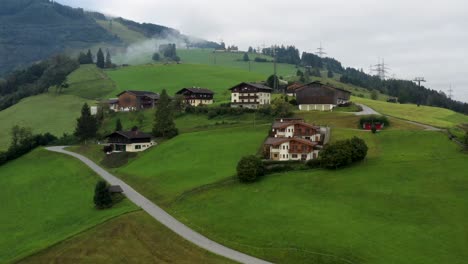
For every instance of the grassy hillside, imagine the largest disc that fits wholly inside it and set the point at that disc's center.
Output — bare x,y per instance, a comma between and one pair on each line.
234,60
42,113
404,204
89,82
175,77
191,160
439,117
47,197
124,33
130,238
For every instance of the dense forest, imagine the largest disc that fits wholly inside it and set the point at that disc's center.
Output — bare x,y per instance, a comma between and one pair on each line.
36,79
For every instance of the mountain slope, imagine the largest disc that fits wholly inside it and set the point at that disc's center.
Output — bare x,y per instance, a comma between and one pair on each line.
36,29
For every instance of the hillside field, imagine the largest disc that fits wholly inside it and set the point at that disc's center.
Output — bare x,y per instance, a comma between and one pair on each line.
373,212
43,113
174,77
131,238
47,197
434,116
89,82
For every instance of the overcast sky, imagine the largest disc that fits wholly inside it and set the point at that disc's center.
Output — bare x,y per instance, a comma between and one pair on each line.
415,37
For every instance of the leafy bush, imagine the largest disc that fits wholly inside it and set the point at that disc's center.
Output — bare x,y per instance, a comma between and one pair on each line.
343,153
249,169
258,59
374,119
102,196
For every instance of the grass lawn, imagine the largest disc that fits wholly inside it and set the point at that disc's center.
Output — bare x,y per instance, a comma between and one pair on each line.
130,238
43,113
122,31
434,116
47,197
191,160
174,77
89,82
407,203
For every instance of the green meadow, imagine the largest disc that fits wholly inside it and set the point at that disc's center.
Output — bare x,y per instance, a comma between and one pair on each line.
434,116
52,113
406,203
191,160
158,77
89,82
131,238
47,198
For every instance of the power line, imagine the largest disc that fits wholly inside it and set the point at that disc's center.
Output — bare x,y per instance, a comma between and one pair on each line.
450,91
381,69
321,51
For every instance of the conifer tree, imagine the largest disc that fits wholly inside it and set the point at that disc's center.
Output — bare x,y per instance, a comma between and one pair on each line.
118,125
164,125
100,63
89,56
86,127
108,60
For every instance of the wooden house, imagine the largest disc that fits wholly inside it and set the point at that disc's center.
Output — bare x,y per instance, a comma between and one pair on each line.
250,95
134,101
129,141
197,96
321,97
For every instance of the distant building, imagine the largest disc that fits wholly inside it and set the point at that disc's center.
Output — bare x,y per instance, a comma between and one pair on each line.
129,141
321,97
133,101
293,139
197,96
250,95
291,89
93,110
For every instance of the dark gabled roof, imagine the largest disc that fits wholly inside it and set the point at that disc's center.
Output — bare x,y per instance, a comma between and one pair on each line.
256,85
131,134
196,90
115,189
151,95
294,86
321,84
113,101
278,141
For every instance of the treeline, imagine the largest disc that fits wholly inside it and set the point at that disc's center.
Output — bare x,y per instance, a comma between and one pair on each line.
35,79
23,141
405,91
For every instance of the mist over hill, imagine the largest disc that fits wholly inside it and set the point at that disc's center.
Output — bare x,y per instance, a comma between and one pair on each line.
33,30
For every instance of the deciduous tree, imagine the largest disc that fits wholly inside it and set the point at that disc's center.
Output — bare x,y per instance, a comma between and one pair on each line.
249,169
102,196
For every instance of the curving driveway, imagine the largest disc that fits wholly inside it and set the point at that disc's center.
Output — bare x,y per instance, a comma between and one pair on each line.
162,216
366,111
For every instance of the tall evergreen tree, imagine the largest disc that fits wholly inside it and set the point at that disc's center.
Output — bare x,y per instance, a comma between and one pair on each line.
86,127
108,60
89,56
118,125
164,125
100,59
246,57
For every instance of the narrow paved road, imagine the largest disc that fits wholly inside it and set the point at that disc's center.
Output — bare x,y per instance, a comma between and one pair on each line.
369,111
366,111
163,217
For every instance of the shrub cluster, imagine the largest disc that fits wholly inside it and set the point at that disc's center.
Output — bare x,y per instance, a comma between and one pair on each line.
374,119
341,153
250,169
102,196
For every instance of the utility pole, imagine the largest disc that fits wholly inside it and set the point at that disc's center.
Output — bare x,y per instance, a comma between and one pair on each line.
381,69
275,82
321,51
450,91
419,80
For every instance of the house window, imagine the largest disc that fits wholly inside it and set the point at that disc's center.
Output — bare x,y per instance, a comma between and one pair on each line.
294,156
137,146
